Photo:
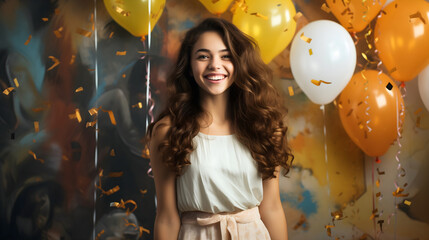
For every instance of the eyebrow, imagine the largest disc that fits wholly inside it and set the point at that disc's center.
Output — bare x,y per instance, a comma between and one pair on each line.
208,51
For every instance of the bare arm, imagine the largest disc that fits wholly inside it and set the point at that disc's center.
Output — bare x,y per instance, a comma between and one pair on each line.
167,221
271,209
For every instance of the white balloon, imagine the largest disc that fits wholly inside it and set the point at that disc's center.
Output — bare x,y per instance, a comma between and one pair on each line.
424,86
333,60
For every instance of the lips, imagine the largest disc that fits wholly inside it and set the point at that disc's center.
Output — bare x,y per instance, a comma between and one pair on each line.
215,77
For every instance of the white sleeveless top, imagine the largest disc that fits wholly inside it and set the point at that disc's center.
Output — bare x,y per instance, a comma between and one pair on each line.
222,177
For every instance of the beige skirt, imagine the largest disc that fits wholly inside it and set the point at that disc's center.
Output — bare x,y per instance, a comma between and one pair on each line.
244,225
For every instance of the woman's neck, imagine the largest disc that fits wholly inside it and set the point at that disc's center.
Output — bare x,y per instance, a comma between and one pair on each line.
218,111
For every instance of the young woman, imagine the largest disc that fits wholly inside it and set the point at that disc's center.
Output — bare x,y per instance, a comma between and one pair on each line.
217,147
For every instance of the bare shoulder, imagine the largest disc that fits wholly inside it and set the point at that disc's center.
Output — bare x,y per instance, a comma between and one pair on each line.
160,130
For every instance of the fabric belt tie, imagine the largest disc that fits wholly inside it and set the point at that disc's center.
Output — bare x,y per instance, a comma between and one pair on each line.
228,221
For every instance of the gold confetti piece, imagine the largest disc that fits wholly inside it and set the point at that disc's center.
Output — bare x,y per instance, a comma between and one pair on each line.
123,204
307,39
144,52
79,89
290,89
112,152
297,16
328,229
418,111
239,4
15,80
36,126
143,191
58,34
310,51
377,183
374,214
140,228
122,11
33,154
146,152
99,234
398,193
121,53
378,194
8,90
91,124
93,111
366,58
28,40
380,173
83,32
116,174
56,62
72,59
406,202
301,222
318,82
139,105
111,34
45,19
417,15
124,75
65,158
259,15
79,118
112,117
325,8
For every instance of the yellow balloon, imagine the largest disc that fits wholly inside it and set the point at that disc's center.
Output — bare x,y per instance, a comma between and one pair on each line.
269,22
133,15
216,7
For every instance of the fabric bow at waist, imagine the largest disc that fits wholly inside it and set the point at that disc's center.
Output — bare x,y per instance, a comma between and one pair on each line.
228,221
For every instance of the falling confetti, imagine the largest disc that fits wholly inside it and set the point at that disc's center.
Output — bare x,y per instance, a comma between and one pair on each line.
123,204
290,89
83,32
310,51
8,90
307,39
56,62
15,80
139,105
79,89
406,202
325,8
72,59
45,19
318,82
259,15
121,53
111,34
112,152
36,126
297,16
28,40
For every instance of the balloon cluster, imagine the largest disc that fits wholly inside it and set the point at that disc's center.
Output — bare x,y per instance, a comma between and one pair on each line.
323,59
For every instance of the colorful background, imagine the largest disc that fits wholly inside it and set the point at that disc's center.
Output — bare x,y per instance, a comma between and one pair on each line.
72,161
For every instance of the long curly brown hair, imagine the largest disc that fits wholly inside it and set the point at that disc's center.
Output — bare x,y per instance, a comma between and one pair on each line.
257,108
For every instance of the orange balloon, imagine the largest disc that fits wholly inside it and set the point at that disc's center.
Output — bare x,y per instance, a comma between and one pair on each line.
355,15
371,123
402,38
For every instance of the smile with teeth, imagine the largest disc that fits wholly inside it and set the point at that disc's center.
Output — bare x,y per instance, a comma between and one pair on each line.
215,77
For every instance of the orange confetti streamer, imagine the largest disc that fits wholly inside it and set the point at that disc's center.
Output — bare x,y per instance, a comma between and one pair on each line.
325,8
116,174
417,15
65,158
45,19
139,105
111,34
123,204
15,80
239,4
310,51
146,152
124,75
112,152
307,39
377,183
79,89
300,222
112,117
144,52
33,154
121,53
297,16
79,118
398,193
28,40
99,234
36,126
143,191
8,90
93,111
140,228
58,33
83,32
406,202
259,15
290,89
122,11
56,62
72,59
91,124
318,82
328,229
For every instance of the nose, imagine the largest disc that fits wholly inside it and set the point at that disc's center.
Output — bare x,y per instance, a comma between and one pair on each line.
215,63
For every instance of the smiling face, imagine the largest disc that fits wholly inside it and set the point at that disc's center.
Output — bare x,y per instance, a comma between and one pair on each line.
211,64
